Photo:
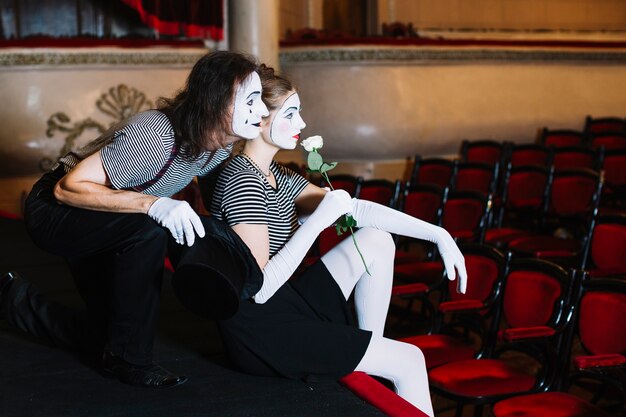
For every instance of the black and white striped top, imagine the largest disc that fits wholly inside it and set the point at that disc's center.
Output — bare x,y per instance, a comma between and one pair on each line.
133,153
243,195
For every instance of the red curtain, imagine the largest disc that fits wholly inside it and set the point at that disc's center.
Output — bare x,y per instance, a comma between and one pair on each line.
190,18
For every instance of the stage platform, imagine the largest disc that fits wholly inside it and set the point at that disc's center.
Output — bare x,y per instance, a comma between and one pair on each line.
39,380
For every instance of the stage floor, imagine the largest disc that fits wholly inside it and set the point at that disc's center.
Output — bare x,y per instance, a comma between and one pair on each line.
39,380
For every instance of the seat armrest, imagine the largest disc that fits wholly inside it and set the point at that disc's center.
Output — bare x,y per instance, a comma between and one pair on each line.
522,333
461,305
600,361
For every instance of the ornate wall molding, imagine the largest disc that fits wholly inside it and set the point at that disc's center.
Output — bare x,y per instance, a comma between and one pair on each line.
119,102
54,58
441,55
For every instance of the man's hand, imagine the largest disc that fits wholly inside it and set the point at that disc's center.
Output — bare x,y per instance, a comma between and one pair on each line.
179,218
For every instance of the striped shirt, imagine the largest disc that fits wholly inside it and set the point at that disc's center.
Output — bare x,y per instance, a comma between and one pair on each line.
134,152
243,195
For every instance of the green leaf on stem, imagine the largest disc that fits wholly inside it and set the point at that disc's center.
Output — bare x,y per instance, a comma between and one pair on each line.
315,161
344,224
327,167
350,221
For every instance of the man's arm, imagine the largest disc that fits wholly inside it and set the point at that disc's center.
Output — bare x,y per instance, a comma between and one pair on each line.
87,186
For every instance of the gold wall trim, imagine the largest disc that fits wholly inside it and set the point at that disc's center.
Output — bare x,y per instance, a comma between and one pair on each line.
427,55
287,56
63,58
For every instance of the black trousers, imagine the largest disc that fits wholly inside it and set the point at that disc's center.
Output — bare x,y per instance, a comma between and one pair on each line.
116,261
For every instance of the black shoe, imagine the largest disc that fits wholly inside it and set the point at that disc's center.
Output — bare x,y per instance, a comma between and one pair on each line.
6,281
151,376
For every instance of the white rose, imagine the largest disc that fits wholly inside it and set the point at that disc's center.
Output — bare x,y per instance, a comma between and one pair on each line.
313,143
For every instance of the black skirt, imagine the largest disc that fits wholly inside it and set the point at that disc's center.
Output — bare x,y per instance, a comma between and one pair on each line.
304,331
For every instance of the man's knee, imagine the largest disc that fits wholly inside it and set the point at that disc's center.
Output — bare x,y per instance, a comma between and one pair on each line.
146,229
142,235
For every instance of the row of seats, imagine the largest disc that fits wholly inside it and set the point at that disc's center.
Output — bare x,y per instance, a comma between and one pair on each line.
528,188
511,303
522,308
545,205
609,160
604,124
534,201
609,132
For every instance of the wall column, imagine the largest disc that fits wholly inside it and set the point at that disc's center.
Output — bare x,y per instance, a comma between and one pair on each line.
253,29
315,14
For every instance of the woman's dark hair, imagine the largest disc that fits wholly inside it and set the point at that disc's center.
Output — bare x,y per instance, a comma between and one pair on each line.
200,113
275,87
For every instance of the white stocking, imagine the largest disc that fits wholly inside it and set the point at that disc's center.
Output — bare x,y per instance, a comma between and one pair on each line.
371,293
404,365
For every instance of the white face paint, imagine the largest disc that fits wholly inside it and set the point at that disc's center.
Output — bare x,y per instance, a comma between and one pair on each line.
287,123
249,108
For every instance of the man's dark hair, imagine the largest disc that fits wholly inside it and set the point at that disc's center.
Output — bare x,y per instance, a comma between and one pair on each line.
200,113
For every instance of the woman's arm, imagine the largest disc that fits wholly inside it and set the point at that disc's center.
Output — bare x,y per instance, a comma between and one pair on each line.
278,269
370,214
88,187
308,200
256,237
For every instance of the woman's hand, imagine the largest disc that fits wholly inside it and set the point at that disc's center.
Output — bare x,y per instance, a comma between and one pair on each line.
334,205
370,214
452,258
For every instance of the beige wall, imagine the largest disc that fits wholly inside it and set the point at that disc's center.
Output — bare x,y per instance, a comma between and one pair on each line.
594,15
510,14
298,14
386,109
292,16
389,110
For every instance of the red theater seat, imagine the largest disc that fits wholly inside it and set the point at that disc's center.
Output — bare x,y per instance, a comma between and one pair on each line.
435,171
461,317
548,404
534,319
602,334
381,397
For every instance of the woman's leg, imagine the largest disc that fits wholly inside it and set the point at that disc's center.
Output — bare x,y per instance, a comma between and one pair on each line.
371,292
404,365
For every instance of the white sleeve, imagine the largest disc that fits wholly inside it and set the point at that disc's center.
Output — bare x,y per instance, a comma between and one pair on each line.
283,264
377,216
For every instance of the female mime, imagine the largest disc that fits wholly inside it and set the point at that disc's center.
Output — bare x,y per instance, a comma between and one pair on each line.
302,328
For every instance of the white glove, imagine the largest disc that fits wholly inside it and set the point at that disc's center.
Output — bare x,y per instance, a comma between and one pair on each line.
303,217
178,217
370,214
283,264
